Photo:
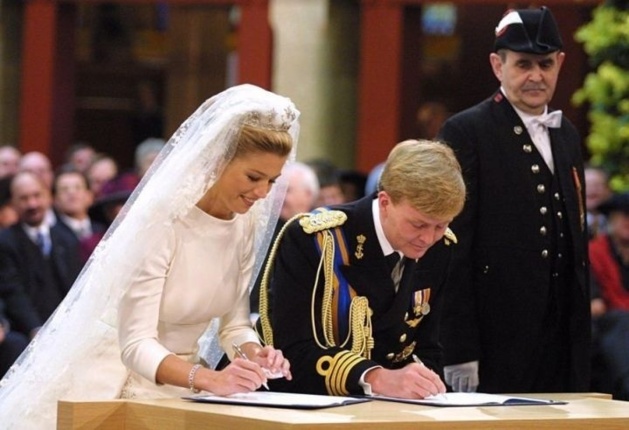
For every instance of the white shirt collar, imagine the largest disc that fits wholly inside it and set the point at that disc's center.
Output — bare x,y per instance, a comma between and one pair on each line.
77,225
50,218
377,222
32,231
527,118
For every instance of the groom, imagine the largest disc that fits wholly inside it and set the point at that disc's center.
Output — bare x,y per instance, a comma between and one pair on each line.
350,321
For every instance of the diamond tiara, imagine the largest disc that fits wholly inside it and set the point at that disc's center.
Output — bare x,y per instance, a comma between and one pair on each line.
271,120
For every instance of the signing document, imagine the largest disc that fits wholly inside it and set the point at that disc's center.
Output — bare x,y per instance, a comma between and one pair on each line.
471,399
278,400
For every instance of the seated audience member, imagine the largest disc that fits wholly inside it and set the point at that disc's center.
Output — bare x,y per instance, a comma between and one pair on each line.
609,259
329,176
113,196
102,170
106,208
80,156
9,160
356,288
597,191
302,190
373,178
72,200
353,184
39,164
12,343
38,259
145,154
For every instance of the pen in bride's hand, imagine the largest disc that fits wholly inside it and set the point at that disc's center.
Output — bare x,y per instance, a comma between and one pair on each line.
242,355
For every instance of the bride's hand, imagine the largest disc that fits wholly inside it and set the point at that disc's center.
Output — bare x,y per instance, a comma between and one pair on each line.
240,376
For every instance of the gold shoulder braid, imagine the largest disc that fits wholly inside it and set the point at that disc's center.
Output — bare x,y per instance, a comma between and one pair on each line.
323,224
310,222
450,237
322,221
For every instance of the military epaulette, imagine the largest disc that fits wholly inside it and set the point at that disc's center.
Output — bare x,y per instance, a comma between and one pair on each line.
449,237
319,221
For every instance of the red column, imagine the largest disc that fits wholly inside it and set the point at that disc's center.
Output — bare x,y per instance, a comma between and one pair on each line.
38,71
255,44
379,96
47,80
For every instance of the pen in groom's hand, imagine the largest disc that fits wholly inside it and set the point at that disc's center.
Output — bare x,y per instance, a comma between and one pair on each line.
421,363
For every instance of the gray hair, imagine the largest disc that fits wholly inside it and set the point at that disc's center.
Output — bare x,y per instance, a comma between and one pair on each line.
306,174
152,145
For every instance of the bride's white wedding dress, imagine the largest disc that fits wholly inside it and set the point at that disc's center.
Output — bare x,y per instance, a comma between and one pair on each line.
77,353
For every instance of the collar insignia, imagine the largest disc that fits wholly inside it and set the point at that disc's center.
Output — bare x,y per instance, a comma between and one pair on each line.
359,248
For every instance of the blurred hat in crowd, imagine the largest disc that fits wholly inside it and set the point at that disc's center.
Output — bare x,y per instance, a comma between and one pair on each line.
533,31
114,194
616,203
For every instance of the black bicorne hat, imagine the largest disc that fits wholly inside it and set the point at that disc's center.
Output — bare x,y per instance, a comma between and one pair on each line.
528,30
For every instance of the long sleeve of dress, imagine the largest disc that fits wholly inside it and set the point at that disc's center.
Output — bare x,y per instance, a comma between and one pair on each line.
139,313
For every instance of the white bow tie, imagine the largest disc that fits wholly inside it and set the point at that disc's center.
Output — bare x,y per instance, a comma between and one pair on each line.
550,120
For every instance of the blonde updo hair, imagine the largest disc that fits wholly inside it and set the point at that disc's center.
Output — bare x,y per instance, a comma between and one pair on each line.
427,175
259,139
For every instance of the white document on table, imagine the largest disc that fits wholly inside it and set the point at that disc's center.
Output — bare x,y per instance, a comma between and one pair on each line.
472,399
278,400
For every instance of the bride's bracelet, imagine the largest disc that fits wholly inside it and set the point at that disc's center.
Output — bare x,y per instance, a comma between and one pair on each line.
191,375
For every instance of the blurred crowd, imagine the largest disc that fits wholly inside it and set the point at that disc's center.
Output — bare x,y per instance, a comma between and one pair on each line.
50,222
608,227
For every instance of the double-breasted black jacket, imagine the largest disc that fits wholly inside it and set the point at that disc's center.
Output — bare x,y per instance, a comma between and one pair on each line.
32,285
521,252
401,325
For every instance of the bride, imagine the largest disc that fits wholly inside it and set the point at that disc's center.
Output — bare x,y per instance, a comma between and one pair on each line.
172,272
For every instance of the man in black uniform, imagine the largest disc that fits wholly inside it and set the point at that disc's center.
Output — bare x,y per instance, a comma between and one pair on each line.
516,316
350,320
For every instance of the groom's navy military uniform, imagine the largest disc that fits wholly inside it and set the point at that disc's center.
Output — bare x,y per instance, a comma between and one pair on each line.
403,323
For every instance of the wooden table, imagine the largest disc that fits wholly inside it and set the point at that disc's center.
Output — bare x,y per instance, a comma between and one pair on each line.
589,411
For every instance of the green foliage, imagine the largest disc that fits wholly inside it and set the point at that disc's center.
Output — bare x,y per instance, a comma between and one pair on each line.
606,90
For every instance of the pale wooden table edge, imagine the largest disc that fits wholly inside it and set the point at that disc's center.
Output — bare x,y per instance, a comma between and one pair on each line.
150,414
